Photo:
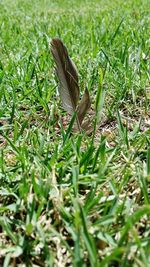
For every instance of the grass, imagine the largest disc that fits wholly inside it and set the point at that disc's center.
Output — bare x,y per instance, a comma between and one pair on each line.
73,200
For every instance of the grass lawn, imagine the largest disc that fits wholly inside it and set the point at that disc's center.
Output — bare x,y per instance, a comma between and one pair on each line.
68,199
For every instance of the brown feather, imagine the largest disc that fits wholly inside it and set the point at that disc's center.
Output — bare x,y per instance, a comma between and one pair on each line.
67,74
84,105
69,88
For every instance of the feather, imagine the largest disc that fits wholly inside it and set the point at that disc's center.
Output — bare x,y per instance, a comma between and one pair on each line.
68,87
87,125
67,74
84,105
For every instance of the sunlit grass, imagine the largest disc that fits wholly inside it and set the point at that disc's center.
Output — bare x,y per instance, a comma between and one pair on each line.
69,199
